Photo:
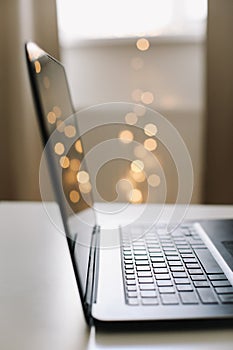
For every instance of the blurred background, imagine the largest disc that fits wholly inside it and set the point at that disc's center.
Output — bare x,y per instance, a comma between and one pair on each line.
175,56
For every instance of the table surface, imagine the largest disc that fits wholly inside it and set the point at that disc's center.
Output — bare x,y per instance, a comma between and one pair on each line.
39,303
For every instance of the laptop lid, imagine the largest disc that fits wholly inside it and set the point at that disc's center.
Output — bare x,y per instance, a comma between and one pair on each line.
53,106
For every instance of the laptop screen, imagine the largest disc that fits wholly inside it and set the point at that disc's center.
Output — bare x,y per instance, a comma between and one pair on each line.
70,183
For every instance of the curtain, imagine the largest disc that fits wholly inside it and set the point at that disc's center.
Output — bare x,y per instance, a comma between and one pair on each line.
21,147
219,127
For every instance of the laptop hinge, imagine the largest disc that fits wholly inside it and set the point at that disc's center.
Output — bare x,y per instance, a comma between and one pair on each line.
92,275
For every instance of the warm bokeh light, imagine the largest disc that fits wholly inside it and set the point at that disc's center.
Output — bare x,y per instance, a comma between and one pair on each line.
140,110
51,117
154,180
124,185
135,196
136,95
57,111
37,67
59,148
64,162
143,44
85,188
70,131
78,146
74,164
46,82
137,166
74,196
138,177
150,129
83,177
137,63
147,97
126,136
150,144
131,118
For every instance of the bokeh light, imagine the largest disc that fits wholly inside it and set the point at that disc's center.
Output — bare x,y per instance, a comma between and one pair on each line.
150,144
126,136
143,44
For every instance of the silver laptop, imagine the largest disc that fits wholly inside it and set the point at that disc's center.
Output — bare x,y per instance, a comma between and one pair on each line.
147,275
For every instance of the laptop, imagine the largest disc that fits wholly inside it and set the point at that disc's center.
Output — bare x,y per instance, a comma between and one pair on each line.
148,276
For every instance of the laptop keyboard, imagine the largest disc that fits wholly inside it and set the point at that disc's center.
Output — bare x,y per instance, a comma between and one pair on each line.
161,268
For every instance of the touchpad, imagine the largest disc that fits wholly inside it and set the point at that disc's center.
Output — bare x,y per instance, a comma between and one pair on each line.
220,233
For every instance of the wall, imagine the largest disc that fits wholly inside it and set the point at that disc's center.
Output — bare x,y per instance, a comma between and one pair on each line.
173,70
219,165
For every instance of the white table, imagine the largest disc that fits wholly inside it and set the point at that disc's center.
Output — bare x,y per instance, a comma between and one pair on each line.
39,302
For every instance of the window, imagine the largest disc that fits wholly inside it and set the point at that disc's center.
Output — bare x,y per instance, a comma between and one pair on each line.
108,19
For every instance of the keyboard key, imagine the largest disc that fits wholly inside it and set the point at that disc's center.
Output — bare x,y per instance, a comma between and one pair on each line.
201,284
224,290
129,271
175,263
173,258
155,259
131,282
185,255
129,266
166,290
154,250
132,294
217,277
141,257
133,301
189,298
192,266
177,268
145,280
184,287
150,301
131,288
208,262
143,268
169,249
144,274
128,262
169,299
164,283
226,298
160,270
157,265
147,287
181,281
127,253
128,257
140,252
142,262
179,274
179,246
198,278
130,277
148,293
162,276
223,283
185,251
158,255
169,253
207,296
190,260
195,271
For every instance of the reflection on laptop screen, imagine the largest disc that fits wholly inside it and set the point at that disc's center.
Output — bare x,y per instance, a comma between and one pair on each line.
54,106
